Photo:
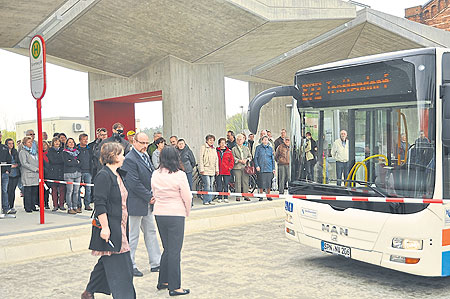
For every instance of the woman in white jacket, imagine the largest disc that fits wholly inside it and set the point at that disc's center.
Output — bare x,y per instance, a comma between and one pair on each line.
208,167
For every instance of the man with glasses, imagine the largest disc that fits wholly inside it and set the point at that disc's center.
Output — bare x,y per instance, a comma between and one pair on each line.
32,135
139,170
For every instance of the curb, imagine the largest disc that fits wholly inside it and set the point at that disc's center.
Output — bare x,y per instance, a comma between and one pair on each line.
200,220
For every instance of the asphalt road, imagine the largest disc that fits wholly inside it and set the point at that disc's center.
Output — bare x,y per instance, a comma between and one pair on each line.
255,261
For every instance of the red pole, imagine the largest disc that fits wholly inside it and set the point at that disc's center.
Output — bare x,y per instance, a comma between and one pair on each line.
41,162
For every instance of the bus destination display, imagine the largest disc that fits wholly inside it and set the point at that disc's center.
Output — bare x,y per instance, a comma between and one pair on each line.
356,85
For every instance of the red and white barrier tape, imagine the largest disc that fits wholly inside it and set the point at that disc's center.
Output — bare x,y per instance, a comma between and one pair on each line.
310,197
336,198
369,199
238,194
68,183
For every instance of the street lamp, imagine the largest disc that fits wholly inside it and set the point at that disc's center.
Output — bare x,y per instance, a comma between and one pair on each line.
242,118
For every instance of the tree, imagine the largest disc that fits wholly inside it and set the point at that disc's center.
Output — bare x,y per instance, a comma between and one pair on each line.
8,134
150,131
237,123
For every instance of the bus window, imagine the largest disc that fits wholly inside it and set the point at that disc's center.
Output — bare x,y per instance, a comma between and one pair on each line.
393,146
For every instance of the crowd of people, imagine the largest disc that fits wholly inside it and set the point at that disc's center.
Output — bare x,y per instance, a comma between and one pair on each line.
236,158
232,159
64,159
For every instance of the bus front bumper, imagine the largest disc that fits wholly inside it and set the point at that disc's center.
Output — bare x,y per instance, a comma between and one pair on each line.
367,256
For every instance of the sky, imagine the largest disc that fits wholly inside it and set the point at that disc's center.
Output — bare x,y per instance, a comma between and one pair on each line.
67,90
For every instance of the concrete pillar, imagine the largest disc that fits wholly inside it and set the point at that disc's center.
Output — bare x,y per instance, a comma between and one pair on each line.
193,96
275,115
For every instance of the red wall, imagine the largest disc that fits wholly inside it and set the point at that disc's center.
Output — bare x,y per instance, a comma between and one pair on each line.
107,113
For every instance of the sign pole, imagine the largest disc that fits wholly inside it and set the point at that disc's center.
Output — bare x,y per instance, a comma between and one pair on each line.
38,87
41,163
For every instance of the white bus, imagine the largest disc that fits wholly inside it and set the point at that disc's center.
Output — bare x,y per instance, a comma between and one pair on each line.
395,108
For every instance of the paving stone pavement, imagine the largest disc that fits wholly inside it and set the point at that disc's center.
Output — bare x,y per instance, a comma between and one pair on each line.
255,261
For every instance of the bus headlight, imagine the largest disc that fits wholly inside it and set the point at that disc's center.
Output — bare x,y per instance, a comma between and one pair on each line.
409,244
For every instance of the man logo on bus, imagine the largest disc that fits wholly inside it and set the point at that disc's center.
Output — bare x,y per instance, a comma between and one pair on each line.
36,49
335,229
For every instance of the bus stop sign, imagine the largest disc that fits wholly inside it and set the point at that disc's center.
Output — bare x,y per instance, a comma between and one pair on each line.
37,67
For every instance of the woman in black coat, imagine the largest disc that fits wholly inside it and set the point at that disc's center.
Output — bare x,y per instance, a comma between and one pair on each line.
113,273
56,172
14,174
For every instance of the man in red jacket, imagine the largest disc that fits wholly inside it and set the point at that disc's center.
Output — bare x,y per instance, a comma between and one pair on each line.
226,163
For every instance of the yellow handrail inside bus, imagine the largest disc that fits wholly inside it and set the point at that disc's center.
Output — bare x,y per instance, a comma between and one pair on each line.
324,169
366,173
352,173
401,115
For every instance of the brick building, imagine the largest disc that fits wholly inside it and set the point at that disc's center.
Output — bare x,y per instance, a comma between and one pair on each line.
434,13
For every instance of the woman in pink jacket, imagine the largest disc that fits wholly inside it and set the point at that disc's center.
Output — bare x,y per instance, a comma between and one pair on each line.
172,198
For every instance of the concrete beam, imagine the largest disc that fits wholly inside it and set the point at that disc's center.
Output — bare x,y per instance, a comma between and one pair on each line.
193,97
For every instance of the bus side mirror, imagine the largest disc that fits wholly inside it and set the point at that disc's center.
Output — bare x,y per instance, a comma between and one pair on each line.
255,105
445,95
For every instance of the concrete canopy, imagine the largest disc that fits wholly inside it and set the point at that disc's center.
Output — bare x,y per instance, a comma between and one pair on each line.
371,32
123,37
19,17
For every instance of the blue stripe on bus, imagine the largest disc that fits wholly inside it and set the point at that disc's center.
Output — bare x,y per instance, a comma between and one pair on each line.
446,263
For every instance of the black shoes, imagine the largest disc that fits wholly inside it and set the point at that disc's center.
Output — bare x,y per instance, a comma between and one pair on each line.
175,293
156,269
87,295
137,273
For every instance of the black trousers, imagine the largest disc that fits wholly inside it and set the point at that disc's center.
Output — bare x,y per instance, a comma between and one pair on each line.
222,184
46,195
310,169
171,231
113,275
12,185
30,197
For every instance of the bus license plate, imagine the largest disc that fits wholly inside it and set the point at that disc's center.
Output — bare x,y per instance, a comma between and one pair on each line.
336,249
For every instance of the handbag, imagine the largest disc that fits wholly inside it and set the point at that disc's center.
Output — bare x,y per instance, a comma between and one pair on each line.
250,168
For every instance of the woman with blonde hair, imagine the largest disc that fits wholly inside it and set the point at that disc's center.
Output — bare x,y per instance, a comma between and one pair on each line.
29,168
242,156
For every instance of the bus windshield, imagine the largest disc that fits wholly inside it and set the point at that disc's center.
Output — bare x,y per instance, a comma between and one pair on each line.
366,129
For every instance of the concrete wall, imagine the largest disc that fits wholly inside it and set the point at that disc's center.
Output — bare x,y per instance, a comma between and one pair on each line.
196,106
274,115
193,96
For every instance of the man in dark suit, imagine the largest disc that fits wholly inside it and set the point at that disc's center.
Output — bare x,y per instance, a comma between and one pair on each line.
139,170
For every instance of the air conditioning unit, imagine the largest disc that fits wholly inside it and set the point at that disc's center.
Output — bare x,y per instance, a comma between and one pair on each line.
78,127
